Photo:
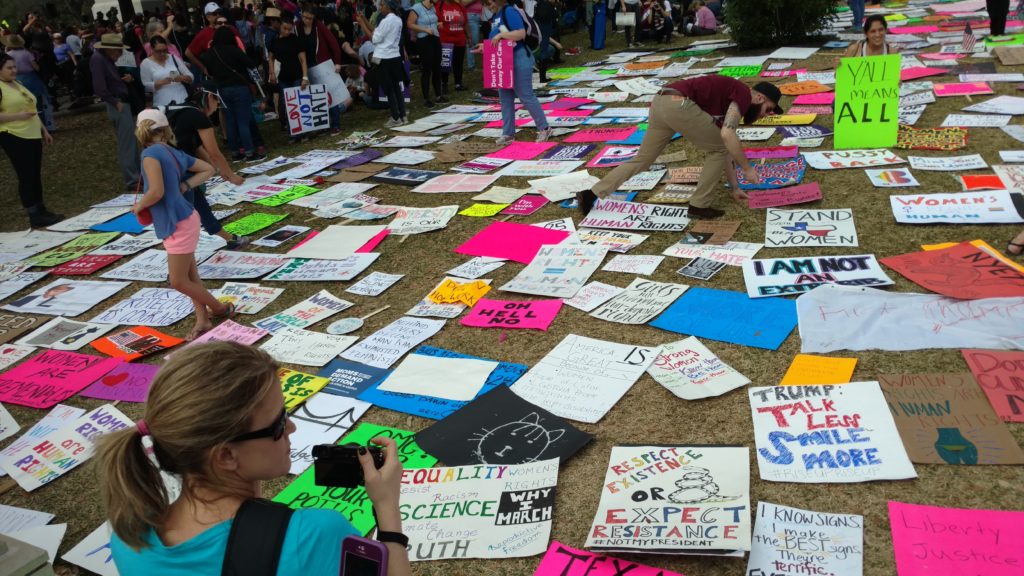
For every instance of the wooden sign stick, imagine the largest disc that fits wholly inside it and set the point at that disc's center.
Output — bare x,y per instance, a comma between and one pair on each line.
375,312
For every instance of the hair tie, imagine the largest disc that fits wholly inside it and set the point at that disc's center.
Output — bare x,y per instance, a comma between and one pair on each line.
146,440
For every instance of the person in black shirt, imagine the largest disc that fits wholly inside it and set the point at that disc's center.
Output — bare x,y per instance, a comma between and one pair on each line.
228,66
194,135
288,51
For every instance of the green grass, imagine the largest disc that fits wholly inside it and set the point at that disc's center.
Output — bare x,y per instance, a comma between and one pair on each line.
80,169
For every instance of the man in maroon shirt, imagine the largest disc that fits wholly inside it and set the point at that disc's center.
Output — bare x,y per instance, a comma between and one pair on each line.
706,111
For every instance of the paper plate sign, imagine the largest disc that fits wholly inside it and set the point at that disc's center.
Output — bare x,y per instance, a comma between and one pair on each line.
345,325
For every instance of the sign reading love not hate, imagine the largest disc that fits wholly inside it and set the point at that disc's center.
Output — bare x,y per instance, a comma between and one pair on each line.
867,100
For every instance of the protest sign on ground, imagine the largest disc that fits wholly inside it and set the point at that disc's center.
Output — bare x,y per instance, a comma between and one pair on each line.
781,533
787,276
1001,377
731,317
557,271
833,227
691,371
867,97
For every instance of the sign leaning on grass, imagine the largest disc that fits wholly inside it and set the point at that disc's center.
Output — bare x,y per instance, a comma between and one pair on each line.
867,102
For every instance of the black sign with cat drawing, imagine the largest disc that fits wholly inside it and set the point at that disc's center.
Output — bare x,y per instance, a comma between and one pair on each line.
501,428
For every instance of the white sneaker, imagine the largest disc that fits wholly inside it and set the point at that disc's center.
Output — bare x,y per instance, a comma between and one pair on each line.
403,121
270,116
504,140
392,122
543,135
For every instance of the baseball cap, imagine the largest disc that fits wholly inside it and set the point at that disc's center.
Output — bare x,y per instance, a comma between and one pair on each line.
159,118
211,7
772,92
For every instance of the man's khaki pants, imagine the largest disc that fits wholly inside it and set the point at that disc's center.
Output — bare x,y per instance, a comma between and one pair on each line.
671,114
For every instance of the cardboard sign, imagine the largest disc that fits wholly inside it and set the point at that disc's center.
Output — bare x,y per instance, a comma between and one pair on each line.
45,460
697,499
65,297
537,314
501,428
963,271
784,196
14,325
867,98
892,178
51,377
1001,377
307,108
127,382
691,371
932,412
808,369
616,215
317,307
946,139
561,560
789,276
930,540
780,532
603,372
497,520
838,159
988,207
729,316
498,64
511,241
149,307
134,343
826,434
353,503
834,317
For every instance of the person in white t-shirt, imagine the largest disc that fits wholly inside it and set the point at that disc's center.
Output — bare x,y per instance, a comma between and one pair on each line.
387,57
164,75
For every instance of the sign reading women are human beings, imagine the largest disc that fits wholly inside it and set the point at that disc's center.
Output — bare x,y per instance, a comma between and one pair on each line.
674,499
867,101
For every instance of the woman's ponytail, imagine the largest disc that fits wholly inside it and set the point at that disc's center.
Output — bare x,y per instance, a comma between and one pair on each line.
132,488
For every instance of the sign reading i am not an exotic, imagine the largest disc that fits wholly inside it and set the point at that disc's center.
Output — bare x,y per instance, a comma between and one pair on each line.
867,102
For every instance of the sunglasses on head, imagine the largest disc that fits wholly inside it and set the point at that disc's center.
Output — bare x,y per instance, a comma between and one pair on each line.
275,430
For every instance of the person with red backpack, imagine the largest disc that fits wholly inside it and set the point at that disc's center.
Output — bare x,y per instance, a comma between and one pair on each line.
511,22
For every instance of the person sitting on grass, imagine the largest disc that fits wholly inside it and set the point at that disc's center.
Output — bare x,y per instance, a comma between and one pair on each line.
223,442
168,174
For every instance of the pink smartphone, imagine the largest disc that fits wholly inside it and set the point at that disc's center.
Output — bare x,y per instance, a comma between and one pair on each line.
363,557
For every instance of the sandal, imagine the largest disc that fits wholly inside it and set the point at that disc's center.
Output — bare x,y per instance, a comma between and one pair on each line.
227,315
1010,246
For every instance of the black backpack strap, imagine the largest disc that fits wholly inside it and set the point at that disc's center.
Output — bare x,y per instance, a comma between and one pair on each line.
256,539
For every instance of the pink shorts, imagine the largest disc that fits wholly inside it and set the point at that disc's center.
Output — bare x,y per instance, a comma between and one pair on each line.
185,237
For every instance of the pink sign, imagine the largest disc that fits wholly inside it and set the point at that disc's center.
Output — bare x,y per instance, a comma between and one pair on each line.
819,98
534,315
782,73
913,30
511,241
784,196
566,103
85,265
934,541
600,134
229,331
561,560
940,56
962,89
816,109
127,382
772,152
526,205
523,150
498,64
908,74
373,242
52,377
569,113
498,123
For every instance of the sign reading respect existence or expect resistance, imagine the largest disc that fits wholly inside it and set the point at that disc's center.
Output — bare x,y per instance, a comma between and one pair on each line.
867,102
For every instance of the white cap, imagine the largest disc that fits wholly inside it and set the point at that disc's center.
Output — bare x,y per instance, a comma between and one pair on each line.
159,118
211,7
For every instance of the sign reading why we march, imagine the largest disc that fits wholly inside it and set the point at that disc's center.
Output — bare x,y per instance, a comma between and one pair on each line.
867,100
618,215
786,276
482,511
815,434
674,499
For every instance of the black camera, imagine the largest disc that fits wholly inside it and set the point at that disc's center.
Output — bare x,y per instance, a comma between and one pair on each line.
338,466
